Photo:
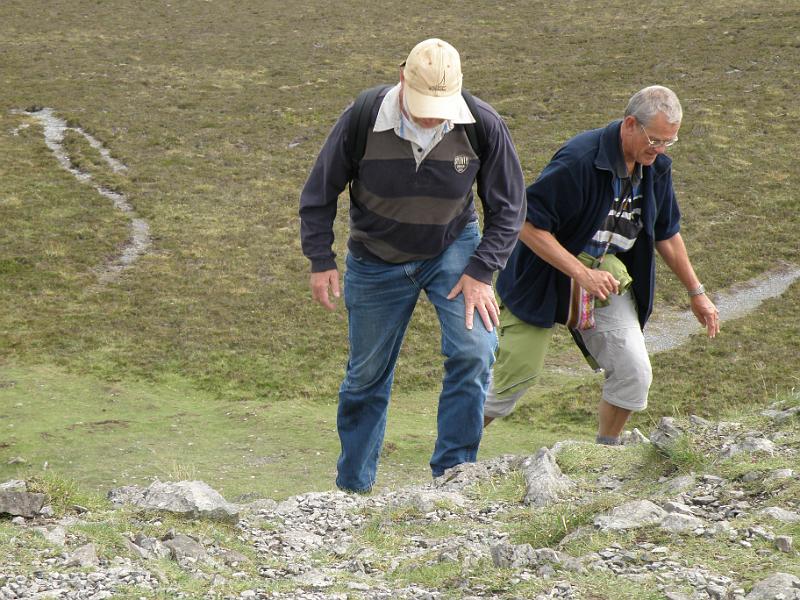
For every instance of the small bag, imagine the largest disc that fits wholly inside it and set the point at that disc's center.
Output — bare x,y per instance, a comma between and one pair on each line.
581,308
581,302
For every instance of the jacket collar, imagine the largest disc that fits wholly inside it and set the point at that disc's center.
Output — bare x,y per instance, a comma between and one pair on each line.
609,155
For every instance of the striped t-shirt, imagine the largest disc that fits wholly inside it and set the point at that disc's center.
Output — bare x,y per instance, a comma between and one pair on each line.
624,220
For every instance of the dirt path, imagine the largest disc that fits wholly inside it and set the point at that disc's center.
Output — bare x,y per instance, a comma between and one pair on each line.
668,329
139,240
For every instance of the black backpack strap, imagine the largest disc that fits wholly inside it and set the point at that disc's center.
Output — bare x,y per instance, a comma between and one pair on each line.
360,117
476,132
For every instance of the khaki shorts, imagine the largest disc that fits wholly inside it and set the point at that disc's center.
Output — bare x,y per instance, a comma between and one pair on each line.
616,343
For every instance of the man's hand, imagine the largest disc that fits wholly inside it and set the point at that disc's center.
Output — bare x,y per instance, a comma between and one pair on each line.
320,284
477,296
706,313
598,283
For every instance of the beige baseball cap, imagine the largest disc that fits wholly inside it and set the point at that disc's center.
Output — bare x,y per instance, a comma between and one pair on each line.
432,74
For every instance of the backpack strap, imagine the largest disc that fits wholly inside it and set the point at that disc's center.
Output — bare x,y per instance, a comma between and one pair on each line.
476,132
361,115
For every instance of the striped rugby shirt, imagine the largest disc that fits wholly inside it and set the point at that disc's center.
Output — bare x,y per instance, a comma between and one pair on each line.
401,211
624,221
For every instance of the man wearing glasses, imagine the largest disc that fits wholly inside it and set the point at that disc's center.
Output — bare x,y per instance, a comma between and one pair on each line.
595,215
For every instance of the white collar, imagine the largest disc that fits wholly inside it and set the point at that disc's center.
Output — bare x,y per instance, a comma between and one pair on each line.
389,112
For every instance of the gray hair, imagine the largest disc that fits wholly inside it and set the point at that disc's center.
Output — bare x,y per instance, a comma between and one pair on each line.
648,102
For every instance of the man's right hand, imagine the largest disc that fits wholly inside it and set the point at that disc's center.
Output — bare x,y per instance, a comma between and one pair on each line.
320,284
598,283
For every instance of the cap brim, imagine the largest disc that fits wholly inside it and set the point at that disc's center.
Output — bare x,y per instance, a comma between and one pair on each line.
433,107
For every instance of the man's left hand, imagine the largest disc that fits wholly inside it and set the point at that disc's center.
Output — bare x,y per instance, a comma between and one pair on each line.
477,296
706,313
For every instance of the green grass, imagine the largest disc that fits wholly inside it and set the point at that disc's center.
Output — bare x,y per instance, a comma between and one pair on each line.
211,339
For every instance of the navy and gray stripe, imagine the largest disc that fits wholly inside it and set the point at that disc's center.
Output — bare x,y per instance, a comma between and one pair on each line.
399,212
622,225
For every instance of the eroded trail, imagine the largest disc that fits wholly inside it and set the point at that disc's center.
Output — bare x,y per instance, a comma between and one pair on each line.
139,239
668,329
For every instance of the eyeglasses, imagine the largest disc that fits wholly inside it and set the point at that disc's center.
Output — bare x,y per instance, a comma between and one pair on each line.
658,143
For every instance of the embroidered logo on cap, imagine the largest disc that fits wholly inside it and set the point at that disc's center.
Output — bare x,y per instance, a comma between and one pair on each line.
460,163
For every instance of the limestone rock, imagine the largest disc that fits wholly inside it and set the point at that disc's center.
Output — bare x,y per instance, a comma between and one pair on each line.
631,515
426,500
780,585
509,556
85,556
784,543
750,444
544,479
14,485
193,499
681,523
665,434
781,474
681,483
678,507
781,514
182,546
21,504
55,535
630,438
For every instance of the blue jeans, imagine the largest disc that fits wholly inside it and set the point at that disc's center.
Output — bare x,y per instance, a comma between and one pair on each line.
380,298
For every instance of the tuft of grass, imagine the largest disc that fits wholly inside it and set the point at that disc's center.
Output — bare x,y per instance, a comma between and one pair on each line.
546,527
685,456
63,493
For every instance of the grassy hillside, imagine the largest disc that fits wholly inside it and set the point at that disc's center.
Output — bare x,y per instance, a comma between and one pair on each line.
218,109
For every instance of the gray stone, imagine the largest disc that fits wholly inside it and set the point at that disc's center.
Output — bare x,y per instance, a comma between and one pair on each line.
781,474
751,445
631,515
468,474
193,499
233,558
781,514
779,586
137,550
301,540
678,507
784,543
781,415
681,483
85,556
509,556
14,485
631,438
315,579
681,523
665,434
152,546
426,501
182,546
544,479
752,476
55,535
21,504
699,421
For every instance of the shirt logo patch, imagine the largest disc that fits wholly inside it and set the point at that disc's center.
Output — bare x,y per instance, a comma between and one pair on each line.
460,163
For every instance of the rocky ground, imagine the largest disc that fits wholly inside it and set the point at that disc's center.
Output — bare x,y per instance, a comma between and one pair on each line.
699,510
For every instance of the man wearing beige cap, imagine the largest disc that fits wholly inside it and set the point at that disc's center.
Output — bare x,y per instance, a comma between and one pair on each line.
414,228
